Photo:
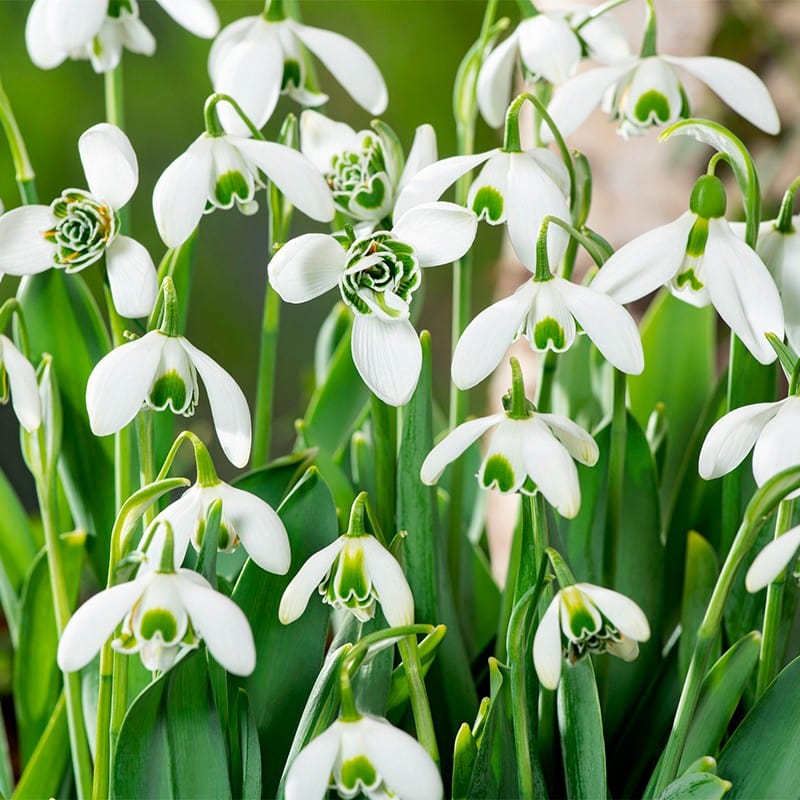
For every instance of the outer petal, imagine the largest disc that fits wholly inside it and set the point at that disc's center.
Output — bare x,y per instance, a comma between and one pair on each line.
454,444
440,233
388,356
120,382
230,36
197,16
293,174
183,516
221,623
74,23
24,388
306,267
778,445
228,405
549,47
494,82
110,164
310,772
731,438
607,324
423,153
487,338
737,86
624,614
309,576
94,622
488,194
406,767
23,248
646,262
180,194
132,276
349,64
137,37
321,138
503,468
547,654
390,583
580,445
742,290
772,560
789,283
42,48
605,38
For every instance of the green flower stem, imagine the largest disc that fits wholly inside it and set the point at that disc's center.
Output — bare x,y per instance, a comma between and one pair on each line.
783,222
419,697
384,433
616,476
24,174
147,467
598,12
102,756
767,661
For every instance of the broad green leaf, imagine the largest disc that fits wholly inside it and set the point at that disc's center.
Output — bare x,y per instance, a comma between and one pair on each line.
696,786
272,482
331,470
578,385
171,743
334,328
249,785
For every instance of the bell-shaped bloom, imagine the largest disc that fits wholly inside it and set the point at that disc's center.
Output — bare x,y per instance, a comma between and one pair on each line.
770,430
377,276
549,47
80,227
364,756
355,572
523,455
546,313
17,373
519,189
365,170
583,619
772,560
99,29
220,171
159,372
642,92
256,60
163,614
702,261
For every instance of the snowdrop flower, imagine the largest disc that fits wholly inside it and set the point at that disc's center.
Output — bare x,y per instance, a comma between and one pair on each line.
377,276
98,29
526,452
366,170
159,371
702,261
256,59
549,45
545,310
582,619
17,373
80,227
352,573
770,430
220,171
364,755
773,559
165,613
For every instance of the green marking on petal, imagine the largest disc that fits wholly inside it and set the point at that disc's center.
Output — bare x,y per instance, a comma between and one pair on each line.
652,105
548,330
169,390
373,196
358,773
292,74
230,185
581,622
498,473
689,277
488,203
698,236
351,584
158,620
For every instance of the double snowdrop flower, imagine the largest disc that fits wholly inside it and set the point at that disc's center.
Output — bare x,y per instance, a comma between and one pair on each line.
99,29
256,59
702,261
18,378
365,170
355,572
377,276
159,371
526,452
582,619
365,755
80,227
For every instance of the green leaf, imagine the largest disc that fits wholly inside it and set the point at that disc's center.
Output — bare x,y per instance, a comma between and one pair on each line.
288,656
465,752
171,743
696,786
427,650
272,482
785,354
248,786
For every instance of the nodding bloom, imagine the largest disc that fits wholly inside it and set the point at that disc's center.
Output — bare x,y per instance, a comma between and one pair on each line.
18,379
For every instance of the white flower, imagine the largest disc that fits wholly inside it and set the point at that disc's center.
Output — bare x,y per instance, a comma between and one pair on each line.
770,430
256,60
160,371
548,47
364,756
772,560
80,227
702,261
365,170
523,455
18,372
520,189
583,619
220,171
642,92
165,613
377,276
98,29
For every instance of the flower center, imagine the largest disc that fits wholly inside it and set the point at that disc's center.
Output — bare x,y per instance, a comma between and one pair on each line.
84,228
380,276
360,182
347,584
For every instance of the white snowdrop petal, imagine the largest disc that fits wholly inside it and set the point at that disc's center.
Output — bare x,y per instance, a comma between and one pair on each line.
297,594
23,384
547,654
110,164
390,583
44,51
23,248
772,560
778,445
423,153
494,82
322,138
624,614
306,267
197,16
549,47
440,233
72,24
310,772
132,277
579,444
230,36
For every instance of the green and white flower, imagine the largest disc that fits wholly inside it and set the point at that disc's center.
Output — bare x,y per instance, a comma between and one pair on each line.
80,227
582,619
702,261
377,276
18,375
365,755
